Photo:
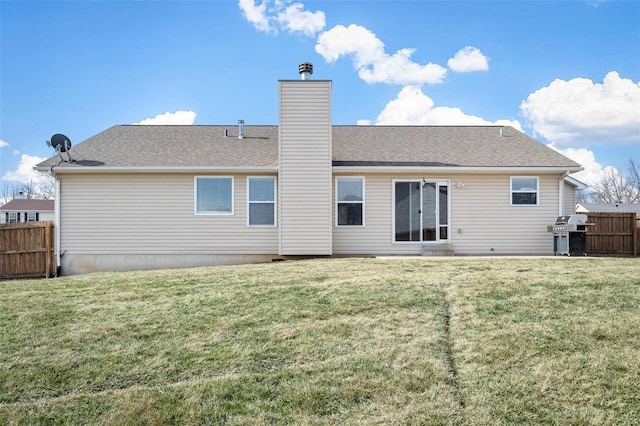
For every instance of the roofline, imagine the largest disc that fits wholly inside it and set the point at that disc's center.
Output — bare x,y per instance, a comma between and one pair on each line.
163,169
454,169
575,182
337,169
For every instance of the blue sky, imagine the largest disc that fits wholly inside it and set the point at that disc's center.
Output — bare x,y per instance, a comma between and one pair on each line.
566,73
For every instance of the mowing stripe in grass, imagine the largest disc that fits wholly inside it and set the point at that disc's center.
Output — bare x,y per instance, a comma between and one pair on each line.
449,348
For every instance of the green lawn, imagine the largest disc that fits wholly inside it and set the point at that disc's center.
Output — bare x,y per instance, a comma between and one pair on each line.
341,341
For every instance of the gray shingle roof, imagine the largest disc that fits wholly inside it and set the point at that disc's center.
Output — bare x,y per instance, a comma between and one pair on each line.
24,205
609,208
206,146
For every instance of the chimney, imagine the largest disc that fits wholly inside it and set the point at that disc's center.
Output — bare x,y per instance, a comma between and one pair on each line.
304,161
240,129
305,70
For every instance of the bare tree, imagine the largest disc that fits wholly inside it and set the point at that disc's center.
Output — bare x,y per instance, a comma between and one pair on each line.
42,189
9,192
633,177
582,196
47,187
614,187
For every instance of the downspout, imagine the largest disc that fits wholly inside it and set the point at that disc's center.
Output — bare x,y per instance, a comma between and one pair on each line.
56,212
561,194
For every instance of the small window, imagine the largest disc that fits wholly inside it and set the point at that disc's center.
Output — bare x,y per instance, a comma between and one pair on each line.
13,217
31,217
214,195
524,191
350,201
261,201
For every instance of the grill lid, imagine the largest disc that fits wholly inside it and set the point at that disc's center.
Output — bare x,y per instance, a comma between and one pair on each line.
574,219
569,223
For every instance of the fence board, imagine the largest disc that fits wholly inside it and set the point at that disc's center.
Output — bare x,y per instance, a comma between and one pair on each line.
612,233
27,250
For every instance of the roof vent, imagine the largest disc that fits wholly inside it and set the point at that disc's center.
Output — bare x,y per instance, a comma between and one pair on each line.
240,129
305,70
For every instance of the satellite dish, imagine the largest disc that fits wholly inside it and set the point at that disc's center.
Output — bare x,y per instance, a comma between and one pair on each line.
61,143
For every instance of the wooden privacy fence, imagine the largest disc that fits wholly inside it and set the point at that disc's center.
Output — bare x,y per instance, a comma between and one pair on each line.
27,250
613,233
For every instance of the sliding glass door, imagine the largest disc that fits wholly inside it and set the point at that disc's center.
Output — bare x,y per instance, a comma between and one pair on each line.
421,211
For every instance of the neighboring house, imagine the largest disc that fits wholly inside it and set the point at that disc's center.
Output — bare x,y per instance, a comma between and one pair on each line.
23,210
174,196
608,208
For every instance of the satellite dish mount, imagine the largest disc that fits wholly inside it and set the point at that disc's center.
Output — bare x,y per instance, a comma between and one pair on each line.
60,143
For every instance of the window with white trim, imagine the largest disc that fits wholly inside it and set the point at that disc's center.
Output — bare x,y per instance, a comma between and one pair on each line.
214,195
524,190
261,201
350,201
31,217
13,217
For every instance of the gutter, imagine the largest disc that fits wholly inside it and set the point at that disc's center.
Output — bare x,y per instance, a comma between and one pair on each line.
56,216
452,169
155,169
56,212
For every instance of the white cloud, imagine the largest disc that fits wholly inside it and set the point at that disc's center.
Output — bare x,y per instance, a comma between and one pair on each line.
580,111
295,19
3,144
16,152
176,118
363,122
266,15
593,171
412,106
468,59
371,61
256,14
25,173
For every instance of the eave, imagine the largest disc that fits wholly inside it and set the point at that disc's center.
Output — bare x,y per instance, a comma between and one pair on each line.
335,169
156,169
453,169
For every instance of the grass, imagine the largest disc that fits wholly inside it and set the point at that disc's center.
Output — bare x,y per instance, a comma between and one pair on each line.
342,341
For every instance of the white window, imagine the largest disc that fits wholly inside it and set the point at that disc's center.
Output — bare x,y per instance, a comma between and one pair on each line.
31,217
261,201
214,195
350,201
13,217
524,190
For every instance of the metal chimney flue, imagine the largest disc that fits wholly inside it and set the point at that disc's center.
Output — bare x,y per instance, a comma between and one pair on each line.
240,129
305,69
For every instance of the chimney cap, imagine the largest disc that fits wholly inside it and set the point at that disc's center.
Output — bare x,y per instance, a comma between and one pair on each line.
305,69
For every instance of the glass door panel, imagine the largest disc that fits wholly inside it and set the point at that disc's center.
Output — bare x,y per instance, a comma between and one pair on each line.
407,211
443,211
429,211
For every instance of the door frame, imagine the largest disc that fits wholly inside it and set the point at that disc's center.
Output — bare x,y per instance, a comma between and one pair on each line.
421,182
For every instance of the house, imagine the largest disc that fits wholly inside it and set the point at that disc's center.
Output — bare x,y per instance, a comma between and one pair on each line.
26,210
139,197
608,208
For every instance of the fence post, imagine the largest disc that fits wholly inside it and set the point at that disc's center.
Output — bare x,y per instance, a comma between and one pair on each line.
634,225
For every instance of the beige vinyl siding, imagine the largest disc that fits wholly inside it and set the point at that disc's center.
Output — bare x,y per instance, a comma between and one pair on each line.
480,210
305,177
490,225
569,199
130,214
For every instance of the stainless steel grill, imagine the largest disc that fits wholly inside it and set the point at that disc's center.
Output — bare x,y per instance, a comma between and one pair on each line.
569,234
